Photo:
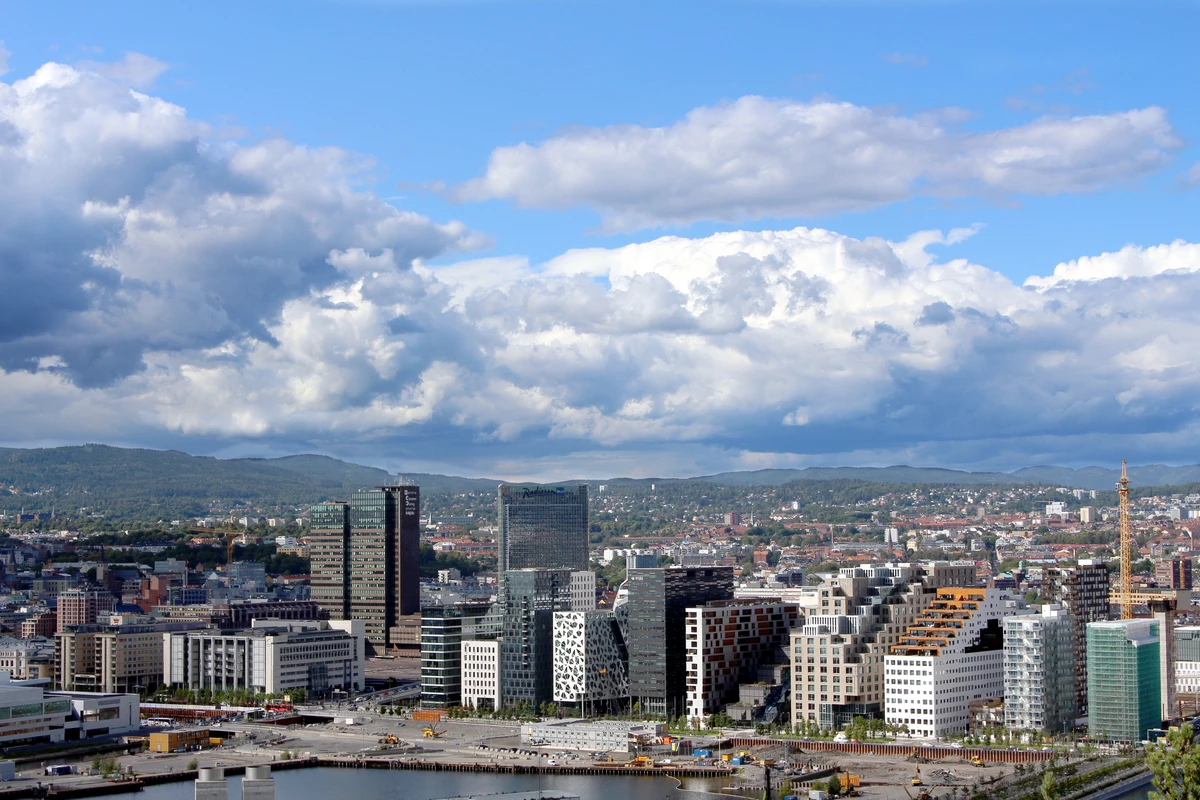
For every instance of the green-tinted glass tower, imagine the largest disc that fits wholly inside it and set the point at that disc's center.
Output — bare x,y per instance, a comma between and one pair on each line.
1124,695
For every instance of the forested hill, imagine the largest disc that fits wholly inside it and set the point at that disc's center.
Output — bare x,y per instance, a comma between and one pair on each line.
167,483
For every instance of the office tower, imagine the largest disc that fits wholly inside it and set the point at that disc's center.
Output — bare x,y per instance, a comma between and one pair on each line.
1124,696
726,641
329,565
385,535
366,558
1174,573
542,527
1039,671
851,620
652,608
1083,591
444,629
951,655
591,663
82,607
531,596
248,575
1163,610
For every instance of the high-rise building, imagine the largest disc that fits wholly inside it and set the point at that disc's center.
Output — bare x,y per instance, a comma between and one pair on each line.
329,564
1039,671
444,629
1124,696
531,596
1174,573
481,674
1163,610
542,527
651,608
82,607
1083,591
952,655
591,663
726,641
365,558
851,620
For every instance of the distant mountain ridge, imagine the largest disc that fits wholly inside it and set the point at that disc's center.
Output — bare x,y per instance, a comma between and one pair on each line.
123,479
1084,478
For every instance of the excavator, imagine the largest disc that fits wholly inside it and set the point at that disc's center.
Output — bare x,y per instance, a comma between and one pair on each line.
431,731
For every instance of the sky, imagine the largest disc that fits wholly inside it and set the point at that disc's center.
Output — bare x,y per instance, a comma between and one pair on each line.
535,240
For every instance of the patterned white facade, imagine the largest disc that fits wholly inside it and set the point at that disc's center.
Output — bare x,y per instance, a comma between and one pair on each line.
1039,671
590,661
481,673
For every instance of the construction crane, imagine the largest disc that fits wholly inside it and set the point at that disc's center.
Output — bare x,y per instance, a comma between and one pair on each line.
1125,595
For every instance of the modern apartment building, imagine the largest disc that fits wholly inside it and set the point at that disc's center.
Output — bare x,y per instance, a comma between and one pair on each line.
850,621
444,629
273,657
651,608
531,597
481,674
83,607
1124,696
591,663
1039,671
1083,590
544,527
951,655
726,640
365,558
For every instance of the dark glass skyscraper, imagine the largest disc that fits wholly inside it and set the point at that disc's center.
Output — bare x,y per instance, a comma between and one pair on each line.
531,596
653,614
368,569
543,527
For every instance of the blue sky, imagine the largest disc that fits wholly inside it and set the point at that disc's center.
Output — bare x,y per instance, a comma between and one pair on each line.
430,91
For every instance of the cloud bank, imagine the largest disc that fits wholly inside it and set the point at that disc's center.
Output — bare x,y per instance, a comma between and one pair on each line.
758,158
166,286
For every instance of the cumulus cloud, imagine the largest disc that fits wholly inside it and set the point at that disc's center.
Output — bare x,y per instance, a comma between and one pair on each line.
163,285
134,69
757,157
127,229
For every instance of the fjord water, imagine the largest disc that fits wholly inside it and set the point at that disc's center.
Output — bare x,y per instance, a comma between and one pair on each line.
370,784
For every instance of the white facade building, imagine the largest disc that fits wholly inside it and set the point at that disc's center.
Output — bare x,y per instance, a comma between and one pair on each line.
950,656
574,734
589,658
274,656
481,673
1039,671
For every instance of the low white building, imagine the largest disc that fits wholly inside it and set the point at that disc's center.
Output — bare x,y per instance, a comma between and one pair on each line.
950,656
31,715
272,657
481,673
574,734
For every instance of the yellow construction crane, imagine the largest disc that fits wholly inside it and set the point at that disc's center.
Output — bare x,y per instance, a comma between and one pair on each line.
1125,594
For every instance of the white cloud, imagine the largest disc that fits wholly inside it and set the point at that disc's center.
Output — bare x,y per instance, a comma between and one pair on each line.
906,60
4,55
1192,176
166,286
757,157
134,69
1130,261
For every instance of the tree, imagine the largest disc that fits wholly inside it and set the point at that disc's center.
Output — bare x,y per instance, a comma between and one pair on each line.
1174,762
834,786
1049,785
193,764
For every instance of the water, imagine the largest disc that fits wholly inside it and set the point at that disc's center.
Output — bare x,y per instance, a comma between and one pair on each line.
373,784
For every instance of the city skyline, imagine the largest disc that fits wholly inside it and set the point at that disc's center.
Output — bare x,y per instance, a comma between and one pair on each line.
536,242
